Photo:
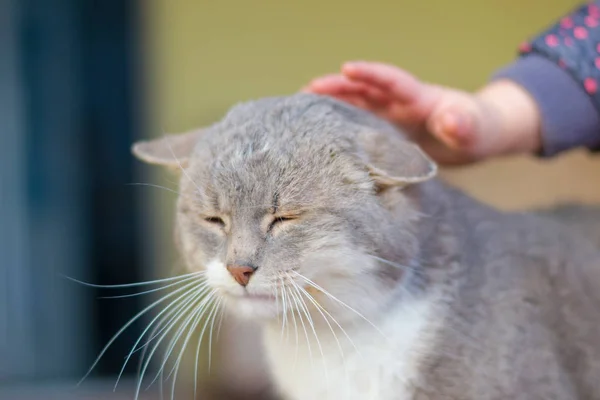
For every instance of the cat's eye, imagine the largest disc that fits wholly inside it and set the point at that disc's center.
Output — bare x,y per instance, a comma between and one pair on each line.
280,220
215,221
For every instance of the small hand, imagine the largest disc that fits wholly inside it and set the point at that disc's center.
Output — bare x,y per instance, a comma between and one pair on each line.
452,126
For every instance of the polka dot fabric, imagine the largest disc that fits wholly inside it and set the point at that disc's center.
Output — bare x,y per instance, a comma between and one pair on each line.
573,43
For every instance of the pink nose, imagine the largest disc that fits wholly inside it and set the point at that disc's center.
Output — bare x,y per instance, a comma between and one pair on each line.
241,273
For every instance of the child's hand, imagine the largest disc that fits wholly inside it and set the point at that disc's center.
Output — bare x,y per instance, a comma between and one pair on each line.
453,126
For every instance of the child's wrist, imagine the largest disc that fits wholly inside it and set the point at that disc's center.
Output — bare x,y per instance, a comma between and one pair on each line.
516,114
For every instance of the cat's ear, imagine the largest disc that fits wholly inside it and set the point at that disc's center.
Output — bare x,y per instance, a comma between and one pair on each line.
171,151
396,162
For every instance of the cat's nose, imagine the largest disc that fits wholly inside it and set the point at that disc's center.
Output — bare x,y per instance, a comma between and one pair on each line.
241,273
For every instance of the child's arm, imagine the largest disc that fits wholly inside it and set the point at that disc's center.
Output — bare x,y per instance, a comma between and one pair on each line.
560,69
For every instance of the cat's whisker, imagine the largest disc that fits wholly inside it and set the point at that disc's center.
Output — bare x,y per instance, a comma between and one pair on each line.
200,191
210,333
136,284
318,307
172,324
154,186
181,309
286,288
204,303
151,290
172,315
336,323
391,263
146,363
297,303
283,301
221,316
131,321
312,325
192,329
199,346
157,317
342,304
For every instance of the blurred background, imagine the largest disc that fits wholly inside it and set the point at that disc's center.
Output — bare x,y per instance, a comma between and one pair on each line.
81,80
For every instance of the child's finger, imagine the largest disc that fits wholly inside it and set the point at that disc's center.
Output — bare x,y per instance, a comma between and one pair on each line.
334,84
400,84
338,85
323,83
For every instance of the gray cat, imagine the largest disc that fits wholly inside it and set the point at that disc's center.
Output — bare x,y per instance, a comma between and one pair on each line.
370,278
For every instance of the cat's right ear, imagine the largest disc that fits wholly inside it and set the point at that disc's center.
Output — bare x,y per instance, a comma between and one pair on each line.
171,151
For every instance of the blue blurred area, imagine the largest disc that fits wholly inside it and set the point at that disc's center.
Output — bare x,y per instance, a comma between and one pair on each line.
69,110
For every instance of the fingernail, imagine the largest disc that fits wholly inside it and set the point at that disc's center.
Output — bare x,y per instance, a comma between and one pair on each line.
456,125
351,64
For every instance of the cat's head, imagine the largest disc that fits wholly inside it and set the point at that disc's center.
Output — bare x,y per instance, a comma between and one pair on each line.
295,200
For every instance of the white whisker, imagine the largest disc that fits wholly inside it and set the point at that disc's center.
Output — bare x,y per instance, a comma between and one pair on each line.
133,350
312,325
153,186
131,321
151,290
195,311
172,324
295,326
295,298
200,191
319,307
210,333
391,263
342,304
284,309
180,309
333,319
198,347
128,285
192,329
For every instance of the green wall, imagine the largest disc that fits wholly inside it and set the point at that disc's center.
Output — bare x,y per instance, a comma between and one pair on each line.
205,55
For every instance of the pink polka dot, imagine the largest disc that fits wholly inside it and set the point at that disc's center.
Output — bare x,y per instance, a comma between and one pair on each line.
552,40
590,85
525,47
561,63
566,22
568,41
597,62
591,21
593,10
580,32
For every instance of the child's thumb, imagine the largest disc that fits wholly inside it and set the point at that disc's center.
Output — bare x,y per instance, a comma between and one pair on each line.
455,127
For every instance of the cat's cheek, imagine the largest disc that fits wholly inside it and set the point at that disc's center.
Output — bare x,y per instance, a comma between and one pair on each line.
185,244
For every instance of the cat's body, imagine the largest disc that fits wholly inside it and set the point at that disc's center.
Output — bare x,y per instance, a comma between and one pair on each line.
519,320
371,280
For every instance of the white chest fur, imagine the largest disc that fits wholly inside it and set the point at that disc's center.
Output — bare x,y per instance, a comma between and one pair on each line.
367,363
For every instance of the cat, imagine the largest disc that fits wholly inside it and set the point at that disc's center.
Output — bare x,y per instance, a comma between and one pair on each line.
369,276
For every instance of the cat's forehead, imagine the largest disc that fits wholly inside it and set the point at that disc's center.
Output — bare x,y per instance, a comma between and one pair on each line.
291,150
286,123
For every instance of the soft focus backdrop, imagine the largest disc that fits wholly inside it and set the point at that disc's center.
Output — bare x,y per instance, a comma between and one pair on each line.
81,80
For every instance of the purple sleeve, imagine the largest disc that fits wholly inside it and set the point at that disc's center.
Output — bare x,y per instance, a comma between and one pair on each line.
560,68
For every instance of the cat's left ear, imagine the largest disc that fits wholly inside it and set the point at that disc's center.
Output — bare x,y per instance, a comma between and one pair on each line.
171,151
396,162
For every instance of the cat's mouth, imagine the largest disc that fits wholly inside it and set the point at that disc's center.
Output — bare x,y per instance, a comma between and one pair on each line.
254,297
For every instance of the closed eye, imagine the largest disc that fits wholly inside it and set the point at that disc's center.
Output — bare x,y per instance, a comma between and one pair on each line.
215,221
281,220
